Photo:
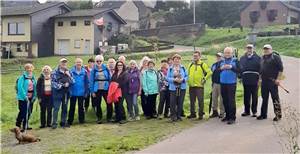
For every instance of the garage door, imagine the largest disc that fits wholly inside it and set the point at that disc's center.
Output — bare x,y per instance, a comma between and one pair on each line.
63,47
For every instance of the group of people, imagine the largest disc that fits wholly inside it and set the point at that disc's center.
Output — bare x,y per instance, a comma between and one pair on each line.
117,81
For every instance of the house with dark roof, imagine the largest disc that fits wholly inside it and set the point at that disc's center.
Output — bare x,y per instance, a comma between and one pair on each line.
264,13
28,30
134,12
82,32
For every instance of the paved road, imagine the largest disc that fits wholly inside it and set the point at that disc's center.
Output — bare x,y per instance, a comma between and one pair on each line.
248,135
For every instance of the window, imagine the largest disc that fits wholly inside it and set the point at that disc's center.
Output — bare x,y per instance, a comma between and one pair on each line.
16,28
60,23
87,22
76,43
19,48
254,15
272,14
73,23
12,28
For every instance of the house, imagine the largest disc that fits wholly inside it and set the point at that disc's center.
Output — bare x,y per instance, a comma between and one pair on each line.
76,32
28,30
264,13
134,12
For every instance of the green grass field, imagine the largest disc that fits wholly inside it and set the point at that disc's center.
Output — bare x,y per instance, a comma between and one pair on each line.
90,137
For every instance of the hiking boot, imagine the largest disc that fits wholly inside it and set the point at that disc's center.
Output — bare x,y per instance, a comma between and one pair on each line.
137,118
254,115
214,114
221,116
122,122
54,126
130,119
42,127
99,122
191,116
230,122
261,117
245,114
160,117
224,119
276,118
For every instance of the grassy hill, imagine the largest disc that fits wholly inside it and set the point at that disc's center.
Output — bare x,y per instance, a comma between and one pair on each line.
214,40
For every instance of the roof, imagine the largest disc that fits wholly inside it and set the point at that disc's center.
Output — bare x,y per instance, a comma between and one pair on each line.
84,13
142,8
294,8
29,9
91,13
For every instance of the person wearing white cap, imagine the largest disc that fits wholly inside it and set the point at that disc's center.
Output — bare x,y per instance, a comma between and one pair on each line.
271,73
61,79
216,88
250,71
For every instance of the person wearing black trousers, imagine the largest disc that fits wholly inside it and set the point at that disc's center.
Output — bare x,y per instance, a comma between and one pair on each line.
271,73
250,69
45,96
79,89
228,77
89,97
121,77
99,84
143,67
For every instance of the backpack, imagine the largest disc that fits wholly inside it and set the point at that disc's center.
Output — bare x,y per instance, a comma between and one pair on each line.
16,84
201,65
96,70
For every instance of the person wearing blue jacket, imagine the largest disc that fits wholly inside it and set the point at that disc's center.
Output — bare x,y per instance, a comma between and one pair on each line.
78,91
228,78
61,80
177,78
26,95
99,84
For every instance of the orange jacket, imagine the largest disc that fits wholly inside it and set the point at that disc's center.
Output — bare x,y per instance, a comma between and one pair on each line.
114,93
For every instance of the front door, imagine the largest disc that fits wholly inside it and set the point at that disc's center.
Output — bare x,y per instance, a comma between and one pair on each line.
87,47
63,46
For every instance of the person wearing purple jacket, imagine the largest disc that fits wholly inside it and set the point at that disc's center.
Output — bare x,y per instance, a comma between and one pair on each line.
134,89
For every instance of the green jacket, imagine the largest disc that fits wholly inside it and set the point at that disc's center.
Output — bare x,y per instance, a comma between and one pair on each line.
196,74
150,82
22,87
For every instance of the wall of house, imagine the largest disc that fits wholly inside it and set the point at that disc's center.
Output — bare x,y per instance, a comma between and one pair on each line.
73,33
43,29
108,17
263,19
16,38
130,13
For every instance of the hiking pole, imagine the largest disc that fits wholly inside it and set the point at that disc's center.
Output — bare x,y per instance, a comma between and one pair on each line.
281,86
210,103
27,115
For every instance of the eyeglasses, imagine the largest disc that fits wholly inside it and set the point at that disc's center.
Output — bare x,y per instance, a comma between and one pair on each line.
99,61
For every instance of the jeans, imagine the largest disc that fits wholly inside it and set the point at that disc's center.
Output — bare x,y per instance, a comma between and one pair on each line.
132,106
164,102
60,99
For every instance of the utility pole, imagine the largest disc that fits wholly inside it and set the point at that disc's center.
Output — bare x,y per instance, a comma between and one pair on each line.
194,12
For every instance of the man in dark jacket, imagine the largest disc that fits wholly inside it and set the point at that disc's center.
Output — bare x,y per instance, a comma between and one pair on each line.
271,73
61,80
216,89
250,68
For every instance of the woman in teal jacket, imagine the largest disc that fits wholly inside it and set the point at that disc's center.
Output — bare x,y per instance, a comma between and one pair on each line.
150,88
26,95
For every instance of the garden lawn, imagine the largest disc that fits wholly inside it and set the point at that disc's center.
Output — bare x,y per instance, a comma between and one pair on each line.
89,137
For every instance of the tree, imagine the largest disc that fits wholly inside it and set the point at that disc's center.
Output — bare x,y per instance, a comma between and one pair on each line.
81,4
